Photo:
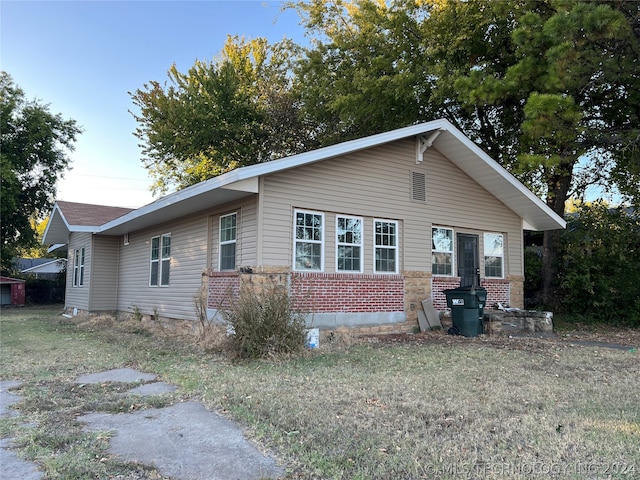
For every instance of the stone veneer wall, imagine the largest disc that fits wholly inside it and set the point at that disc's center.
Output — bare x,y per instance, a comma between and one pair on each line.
521,321
417,287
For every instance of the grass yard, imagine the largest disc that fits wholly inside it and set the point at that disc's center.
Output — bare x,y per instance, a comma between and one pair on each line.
440,407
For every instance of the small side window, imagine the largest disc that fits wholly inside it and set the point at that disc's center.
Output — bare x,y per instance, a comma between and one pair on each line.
160,260
228,235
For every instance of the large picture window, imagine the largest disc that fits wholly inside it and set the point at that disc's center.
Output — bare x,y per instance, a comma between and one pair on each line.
386,246
348,244
78,267
442,251
228,235
493,255
160,262
308,240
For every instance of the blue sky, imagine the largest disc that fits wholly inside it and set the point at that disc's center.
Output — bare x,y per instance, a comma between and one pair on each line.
83,57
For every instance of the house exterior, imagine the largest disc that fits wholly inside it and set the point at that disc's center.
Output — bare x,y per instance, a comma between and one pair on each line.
42,268
361,232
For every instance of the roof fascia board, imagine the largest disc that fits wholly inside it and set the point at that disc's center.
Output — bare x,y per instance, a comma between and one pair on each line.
55,246
500,170
247,178
254,171
220,181
344,148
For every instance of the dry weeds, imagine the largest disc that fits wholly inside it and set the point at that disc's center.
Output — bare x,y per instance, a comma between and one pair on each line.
410,407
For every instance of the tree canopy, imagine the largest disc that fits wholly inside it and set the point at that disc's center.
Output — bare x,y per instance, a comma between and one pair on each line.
222,114
550,89
34,150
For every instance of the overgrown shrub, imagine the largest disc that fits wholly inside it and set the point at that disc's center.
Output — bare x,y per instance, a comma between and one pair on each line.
600,271
265,323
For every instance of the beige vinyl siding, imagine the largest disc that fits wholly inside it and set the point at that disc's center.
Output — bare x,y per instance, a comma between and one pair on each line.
104,273
246,234
188,262
78,297
376,183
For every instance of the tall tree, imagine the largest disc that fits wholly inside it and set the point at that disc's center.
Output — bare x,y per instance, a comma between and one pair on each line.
34,149
577,76
364,73
548,88
220,115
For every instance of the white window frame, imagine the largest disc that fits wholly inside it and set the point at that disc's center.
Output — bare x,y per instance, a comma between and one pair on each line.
233,241
501,255
160,260
395,248
78,267
347,244
452,251
297,240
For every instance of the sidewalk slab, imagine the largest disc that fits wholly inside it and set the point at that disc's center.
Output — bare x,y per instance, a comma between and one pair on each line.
124,375
13,467
7,398
186,442
150,389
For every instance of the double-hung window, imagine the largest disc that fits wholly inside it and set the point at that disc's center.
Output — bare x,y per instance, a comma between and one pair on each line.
386,246
441,251
78,267
348,244
493,255
160,263
308,240
228,235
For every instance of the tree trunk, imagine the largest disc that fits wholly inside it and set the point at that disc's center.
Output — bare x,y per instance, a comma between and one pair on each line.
558,184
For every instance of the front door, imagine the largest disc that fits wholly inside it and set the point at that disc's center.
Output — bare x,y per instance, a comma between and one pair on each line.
468,262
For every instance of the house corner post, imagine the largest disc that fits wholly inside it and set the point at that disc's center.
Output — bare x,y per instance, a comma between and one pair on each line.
516,291
257,279
417,287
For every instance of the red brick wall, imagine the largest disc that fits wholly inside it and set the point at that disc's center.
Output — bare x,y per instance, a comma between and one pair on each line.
224,287
335,292
339,292
497,290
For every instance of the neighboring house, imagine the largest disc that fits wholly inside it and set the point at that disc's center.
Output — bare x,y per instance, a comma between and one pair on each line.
361,232
42,268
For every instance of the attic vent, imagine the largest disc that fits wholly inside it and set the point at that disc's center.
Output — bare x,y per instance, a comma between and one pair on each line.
418,187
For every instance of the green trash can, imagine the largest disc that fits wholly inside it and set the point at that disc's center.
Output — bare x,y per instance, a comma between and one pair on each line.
467,309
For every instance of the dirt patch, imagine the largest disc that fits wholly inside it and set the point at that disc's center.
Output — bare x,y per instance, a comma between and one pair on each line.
624,339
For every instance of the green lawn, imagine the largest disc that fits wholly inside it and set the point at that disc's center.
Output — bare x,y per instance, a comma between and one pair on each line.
447,408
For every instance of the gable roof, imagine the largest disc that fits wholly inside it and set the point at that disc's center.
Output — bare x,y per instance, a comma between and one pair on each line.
78,217
84,214
452,143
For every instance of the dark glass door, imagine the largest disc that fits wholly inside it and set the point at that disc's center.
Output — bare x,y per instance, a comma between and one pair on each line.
468,261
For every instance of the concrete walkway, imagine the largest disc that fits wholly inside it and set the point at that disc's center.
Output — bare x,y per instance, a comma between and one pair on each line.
184,441
12,466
